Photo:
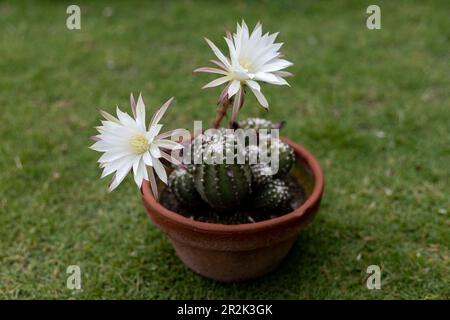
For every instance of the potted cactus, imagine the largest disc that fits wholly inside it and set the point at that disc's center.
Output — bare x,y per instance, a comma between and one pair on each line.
235,198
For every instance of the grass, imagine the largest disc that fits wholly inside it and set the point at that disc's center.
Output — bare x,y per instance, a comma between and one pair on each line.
373,106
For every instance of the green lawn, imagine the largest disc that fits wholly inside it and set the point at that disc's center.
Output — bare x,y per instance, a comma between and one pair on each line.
373,106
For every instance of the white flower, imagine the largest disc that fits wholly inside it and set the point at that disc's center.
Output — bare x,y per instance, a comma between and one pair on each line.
127,144
253,57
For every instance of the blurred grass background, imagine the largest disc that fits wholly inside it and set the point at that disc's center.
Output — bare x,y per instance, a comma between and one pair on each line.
373,106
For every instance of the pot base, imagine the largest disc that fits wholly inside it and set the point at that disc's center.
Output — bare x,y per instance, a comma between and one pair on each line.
232,266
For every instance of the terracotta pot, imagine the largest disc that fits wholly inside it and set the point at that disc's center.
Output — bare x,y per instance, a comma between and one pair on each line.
237,252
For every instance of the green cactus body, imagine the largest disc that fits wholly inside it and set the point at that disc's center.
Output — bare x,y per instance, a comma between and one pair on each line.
223,186
261,174
286,159
260,170
181,183
274,195
220,184
256,123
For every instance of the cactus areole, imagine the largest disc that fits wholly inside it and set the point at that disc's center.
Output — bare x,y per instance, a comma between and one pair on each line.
234,252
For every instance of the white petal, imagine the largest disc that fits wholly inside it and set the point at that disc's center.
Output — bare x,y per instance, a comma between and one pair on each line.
283,73
237,105
171,158
136,161
211,70
234,87
168,144
152,180
113,155
120,175
109,117
140,112
124,118
133,104
160,170
159,114
113,184
110,167
253,84
153,132
147,159
139,173
176,133
260,97
219,64
275,65
218,53
216,82
232,49
257,32
154,151
266,77
282,82
100,146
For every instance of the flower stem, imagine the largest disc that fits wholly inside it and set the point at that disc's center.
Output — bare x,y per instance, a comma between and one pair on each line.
221,112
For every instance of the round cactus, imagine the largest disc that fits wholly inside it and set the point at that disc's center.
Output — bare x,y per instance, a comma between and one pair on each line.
274,195
286,158
223,186
181,184
220,184
261,174
256,123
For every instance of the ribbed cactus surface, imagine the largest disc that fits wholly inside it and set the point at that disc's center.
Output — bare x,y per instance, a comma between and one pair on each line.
223,186
219,184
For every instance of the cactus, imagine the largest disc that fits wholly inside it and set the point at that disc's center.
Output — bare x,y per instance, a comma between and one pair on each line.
181,183
261,174
274,195
223,186
259,123
260,171
286,158
219,184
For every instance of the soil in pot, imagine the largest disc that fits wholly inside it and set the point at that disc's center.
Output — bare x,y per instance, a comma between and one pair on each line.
298,181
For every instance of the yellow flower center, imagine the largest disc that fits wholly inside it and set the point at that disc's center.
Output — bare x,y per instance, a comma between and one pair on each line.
139,144
245,64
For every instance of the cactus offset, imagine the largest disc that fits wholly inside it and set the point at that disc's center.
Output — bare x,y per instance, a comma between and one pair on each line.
286,158
262,170
259,123
274,195
181,183
261,174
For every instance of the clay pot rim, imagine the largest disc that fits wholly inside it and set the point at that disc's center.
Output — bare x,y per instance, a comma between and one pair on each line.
304,209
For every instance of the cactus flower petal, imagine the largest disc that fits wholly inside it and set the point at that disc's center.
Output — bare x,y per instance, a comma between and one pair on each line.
127,145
